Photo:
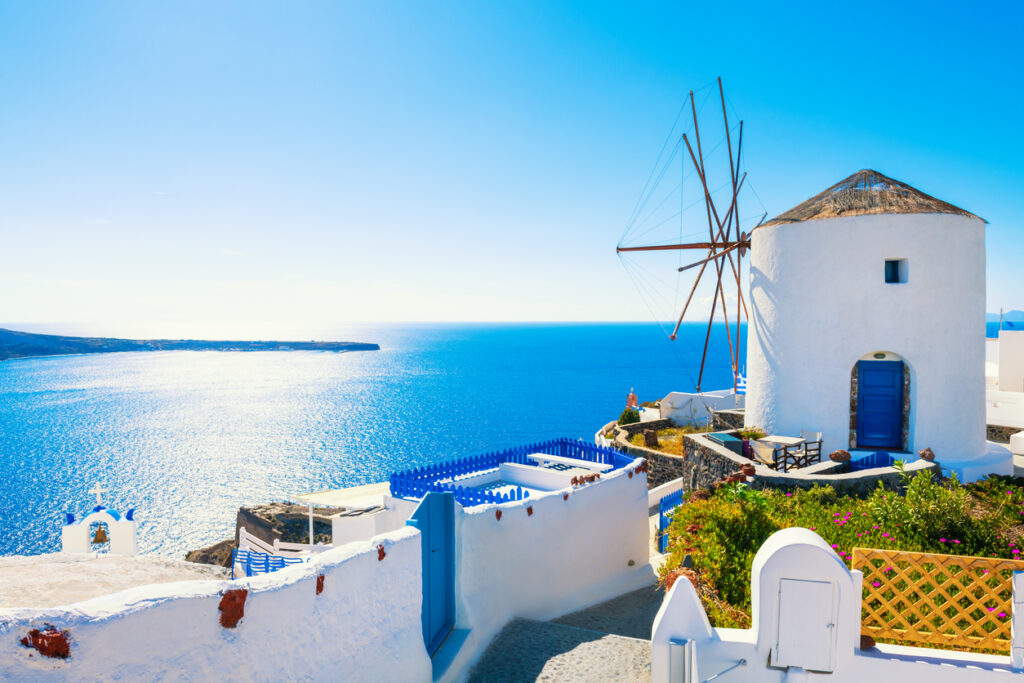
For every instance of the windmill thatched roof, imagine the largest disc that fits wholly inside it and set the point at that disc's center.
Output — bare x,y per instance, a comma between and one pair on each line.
866,192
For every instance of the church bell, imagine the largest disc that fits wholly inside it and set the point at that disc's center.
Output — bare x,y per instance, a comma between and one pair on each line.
101,535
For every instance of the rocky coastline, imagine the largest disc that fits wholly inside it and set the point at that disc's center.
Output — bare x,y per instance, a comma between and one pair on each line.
15,344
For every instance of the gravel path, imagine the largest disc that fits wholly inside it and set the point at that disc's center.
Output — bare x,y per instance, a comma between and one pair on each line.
545,651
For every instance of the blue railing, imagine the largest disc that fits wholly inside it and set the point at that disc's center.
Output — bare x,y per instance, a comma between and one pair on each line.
260,563
870,462
415,483
666,507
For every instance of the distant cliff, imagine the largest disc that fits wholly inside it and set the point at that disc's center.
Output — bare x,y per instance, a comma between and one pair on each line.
14,344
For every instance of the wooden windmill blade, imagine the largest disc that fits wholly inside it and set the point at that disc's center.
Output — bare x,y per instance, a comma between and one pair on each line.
724,251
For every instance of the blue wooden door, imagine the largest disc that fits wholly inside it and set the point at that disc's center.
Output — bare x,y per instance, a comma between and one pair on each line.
435,518
880,404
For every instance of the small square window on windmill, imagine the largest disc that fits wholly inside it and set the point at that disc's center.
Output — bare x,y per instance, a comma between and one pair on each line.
895,270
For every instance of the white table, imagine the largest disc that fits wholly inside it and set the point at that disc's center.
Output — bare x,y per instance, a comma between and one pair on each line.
784,440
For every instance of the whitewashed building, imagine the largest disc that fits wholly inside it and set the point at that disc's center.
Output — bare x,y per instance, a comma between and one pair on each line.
867,305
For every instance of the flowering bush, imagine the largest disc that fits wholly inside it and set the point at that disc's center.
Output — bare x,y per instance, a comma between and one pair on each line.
723,533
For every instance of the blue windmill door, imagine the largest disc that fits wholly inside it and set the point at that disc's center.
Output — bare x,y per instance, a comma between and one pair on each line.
435,518
880,404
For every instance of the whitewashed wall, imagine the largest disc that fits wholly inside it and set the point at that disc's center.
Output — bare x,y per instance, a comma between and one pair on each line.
819,302
1005,408
1011,361
569,554
346,529
688,408
806,618
365,626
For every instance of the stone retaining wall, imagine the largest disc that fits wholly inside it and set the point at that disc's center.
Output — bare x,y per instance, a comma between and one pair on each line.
705,462
699,467
1001,434
722,420
639,427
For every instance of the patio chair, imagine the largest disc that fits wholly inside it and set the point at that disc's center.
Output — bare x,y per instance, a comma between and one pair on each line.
763,453
808,435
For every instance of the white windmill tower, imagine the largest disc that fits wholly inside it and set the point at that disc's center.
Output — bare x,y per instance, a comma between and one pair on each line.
867,305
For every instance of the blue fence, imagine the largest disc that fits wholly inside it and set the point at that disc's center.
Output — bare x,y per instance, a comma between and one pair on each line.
260,563
417,482
666,507
870,462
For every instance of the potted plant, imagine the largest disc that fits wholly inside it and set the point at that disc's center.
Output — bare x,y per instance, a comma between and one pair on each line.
748,434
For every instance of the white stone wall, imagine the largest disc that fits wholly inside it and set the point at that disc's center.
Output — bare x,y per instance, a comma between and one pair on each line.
819,302
1011,361
688,408
546,556
364,626
567,555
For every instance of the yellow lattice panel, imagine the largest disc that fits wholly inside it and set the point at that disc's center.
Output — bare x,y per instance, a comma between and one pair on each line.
937,599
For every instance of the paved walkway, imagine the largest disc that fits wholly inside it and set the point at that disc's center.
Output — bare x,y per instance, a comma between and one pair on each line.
606,642
544,651
630,615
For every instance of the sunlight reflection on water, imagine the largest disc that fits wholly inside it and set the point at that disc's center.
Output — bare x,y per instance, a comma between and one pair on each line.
188,437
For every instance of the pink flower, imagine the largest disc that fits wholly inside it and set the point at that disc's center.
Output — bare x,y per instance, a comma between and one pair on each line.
885,535
942,540
955,541
991,609
875,584
875,526
789,494
1016,552
1002,615
811,528
835,545
889,569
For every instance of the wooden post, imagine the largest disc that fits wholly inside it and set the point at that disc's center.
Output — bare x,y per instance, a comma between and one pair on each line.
1017,622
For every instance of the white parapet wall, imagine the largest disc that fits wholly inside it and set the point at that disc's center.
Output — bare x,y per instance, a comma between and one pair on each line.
349,528
547,556
690,408
806,626
1011,361
1004,408
363,625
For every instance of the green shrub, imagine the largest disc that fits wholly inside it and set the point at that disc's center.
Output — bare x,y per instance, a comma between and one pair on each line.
629,416
722,534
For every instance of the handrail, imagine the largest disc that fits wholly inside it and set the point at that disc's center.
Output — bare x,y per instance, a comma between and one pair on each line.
738,664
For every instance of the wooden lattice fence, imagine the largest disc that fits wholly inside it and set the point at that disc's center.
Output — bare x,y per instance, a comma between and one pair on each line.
951,600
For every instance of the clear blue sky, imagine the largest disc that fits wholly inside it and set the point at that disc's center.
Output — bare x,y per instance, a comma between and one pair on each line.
209,162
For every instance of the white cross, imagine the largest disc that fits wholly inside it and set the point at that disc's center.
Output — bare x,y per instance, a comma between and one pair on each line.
98,491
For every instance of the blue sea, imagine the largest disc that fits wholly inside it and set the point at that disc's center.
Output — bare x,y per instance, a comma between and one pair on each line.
187,437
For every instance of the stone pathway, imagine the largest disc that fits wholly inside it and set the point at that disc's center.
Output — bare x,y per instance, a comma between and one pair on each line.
630,615
544,651
607,642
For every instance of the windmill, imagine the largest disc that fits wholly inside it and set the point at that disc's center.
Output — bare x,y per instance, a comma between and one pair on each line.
727,242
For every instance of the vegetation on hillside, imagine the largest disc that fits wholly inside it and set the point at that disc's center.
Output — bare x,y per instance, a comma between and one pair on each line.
722,532
670,440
